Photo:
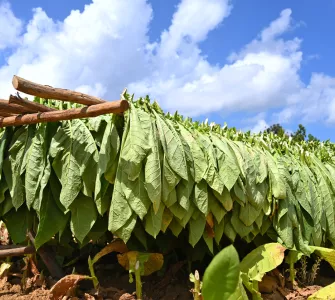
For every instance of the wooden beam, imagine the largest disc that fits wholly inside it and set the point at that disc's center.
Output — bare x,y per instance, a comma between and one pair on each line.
5,107
48,92
29,105
49,258
15,250
6,114
70,114
10,106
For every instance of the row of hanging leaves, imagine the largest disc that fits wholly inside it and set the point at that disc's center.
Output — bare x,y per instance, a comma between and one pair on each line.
148,172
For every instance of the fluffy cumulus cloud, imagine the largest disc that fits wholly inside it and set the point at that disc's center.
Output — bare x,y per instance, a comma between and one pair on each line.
10,27
106,47
99,50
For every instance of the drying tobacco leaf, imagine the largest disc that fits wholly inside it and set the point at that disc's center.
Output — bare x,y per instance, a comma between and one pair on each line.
65,285
115,246
150,262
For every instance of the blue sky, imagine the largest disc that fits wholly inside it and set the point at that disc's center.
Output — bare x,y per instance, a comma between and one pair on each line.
247,63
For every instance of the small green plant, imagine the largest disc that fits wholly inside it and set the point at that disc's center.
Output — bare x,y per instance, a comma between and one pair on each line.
225,277
303,269
140,264
196,291
314,271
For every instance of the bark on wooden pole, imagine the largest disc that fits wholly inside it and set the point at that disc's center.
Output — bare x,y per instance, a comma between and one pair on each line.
5,107
29,105
48,92
49,258
70,114
6,114
14,250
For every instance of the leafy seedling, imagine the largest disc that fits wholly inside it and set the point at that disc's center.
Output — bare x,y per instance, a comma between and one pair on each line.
115,246
141,264
222,277
258,262
195,279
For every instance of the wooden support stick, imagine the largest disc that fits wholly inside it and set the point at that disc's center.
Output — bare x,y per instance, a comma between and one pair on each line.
48,92
14,250
49,258
15,107
70,114
6,114
6,107
29,105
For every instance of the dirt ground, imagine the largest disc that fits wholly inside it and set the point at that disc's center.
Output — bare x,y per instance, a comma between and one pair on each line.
174,285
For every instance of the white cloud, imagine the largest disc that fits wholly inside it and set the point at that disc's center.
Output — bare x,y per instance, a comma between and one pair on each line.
10,27
261,125
260,76
106,48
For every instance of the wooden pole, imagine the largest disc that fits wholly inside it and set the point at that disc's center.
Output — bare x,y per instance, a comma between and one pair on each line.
12,106
48,92
49,258
70,114
6,114
29,105
5,107
14,250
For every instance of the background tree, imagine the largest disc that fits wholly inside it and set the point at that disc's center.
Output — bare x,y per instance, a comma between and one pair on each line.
298,136
276,129
312,138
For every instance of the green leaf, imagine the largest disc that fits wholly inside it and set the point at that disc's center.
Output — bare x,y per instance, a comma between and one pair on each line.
136,194
201,196
153,169
199,159
170,181
4,141
261,260
196,229
277,182
17,158
221,277
18,222
326,253
211,175
228,169
215,207
248,214
225,199
135,147
126,230
72,148
83,216
173,147
326,293
110,147
119,211
52,219
175,227
36,163
153,221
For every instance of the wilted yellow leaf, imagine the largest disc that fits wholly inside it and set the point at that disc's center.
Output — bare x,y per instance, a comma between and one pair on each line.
62,286
166,220
4,267
154,263
209,226
115,246
210,220
149,262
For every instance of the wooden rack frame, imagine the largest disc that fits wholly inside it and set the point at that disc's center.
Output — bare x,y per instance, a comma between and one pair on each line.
18,111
